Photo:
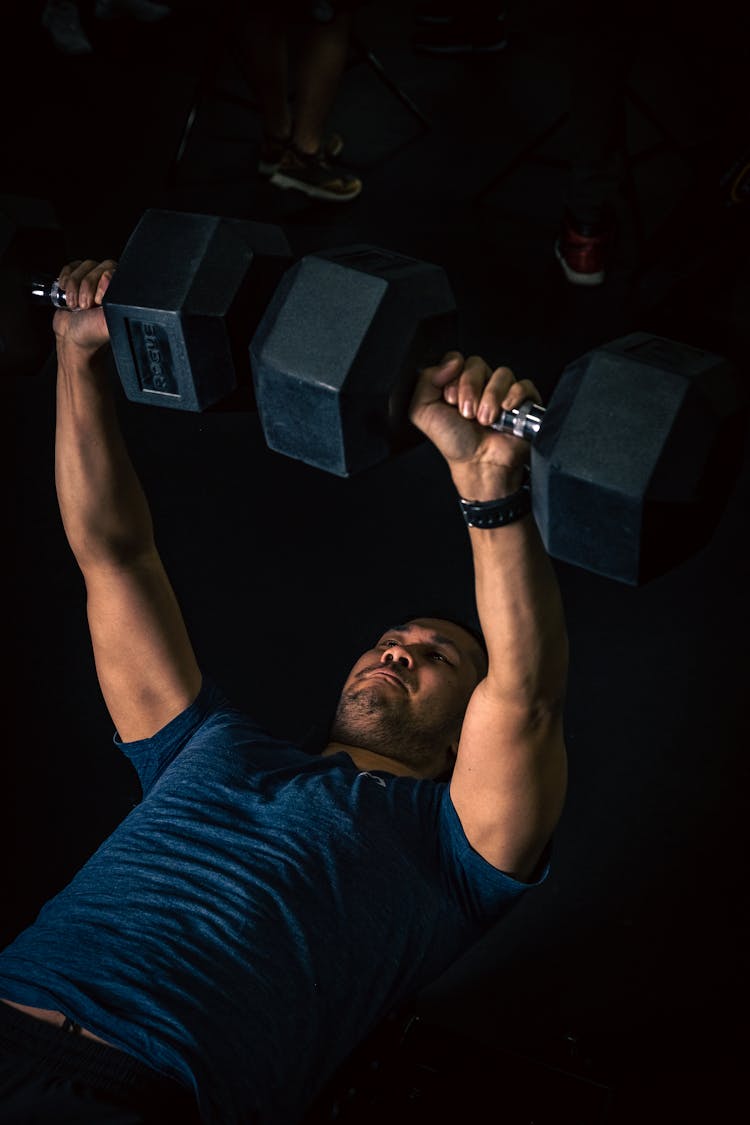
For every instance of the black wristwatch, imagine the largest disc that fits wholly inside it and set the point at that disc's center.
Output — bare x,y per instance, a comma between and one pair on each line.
498,513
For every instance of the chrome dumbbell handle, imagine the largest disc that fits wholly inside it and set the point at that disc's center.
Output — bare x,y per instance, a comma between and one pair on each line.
47,289
523,421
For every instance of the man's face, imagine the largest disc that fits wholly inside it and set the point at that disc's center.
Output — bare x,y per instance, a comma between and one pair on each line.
406,697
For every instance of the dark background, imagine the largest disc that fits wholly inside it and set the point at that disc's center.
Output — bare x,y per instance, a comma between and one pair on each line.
618,991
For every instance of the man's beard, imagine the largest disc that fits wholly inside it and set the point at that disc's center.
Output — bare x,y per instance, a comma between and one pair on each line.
368,718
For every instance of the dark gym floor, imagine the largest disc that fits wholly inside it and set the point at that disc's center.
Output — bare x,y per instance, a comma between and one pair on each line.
617,993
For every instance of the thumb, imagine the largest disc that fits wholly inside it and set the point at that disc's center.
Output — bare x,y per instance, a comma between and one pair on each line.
432,380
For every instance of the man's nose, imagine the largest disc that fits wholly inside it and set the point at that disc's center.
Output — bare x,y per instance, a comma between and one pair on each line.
399,655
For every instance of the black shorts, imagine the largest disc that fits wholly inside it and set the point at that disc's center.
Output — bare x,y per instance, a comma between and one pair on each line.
52,1077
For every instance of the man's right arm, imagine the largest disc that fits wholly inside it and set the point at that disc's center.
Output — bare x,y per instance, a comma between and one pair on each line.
145,662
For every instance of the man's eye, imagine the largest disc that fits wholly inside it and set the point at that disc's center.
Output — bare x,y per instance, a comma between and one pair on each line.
439,656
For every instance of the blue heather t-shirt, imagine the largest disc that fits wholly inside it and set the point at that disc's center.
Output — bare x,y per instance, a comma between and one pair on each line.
256,914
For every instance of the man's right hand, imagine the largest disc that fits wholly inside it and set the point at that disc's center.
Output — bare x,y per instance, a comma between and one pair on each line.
82,322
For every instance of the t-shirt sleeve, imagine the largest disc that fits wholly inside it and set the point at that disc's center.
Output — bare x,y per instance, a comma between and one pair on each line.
484,890
151,756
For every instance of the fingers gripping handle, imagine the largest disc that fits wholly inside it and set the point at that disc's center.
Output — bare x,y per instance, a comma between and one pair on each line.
523,421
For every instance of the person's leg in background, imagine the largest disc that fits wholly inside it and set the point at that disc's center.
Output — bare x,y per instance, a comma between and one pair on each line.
266,49
319,73
295,151
600,52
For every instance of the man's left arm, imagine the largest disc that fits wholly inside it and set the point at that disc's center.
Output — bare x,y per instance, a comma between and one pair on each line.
509,780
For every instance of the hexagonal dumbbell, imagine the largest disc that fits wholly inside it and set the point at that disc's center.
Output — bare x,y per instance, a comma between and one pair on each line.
630,460
335,354
633,460
183,304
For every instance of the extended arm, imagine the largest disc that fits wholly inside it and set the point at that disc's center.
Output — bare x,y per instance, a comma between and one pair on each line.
144,660
508,784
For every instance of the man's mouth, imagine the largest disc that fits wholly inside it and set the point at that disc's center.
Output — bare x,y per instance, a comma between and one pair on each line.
393,677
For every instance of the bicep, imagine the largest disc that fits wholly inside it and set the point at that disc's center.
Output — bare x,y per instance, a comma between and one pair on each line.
145,662
509,780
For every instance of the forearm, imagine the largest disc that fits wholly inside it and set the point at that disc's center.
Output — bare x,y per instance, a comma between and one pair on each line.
104,510
518,601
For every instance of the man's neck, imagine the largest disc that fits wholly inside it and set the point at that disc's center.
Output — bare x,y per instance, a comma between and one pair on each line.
370,759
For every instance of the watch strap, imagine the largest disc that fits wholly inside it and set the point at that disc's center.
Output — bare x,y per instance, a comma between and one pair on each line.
497,513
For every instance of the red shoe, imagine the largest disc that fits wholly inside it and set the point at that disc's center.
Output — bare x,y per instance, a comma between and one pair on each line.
582,251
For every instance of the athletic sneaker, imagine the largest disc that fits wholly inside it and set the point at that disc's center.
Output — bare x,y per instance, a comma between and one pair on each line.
582,251
272,150
313,175
62,20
